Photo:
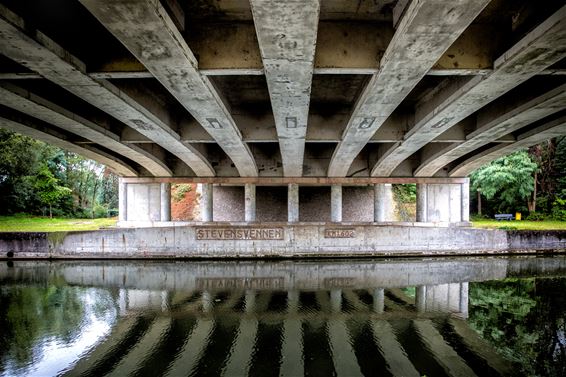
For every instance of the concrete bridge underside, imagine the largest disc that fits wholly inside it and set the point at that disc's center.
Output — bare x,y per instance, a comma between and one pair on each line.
286,93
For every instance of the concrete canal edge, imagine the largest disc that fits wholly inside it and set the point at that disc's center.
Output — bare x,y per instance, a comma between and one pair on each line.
278,240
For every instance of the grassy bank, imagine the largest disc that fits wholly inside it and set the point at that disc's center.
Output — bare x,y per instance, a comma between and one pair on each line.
45,224
520,225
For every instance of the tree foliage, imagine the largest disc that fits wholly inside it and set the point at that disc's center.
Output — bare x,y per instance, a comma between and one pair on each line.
36,178
509,179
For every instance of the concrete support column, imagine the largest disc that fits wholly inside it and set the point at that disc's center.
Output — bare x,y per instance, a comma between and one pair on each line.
422,189
383,203
293,203
336,203
250,202
166,202
466,200
420,298
122,200
206,202
378,300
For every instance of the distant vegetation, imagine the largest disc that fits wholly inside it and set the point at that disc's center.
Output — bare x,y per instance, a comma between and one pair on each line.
42,180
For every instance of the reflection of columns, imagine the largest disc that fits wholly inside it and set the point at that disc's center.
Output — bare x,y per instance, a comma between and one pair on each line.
464,300
293,203
206,203
383,202
422,215
165,202
336,203
420,298
250,202
443,353
378,300
292,363
465,200
206,302
240,355
398,364
145,346
122,200
343,356
336,300
192,350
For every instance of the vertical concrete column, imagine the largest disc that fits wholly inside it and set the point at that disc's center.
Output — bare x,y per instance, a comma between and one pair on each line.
206,202
166,202
293,203
336,203
383,202
378,300
420,298
250,206
422,199
466,200
122,200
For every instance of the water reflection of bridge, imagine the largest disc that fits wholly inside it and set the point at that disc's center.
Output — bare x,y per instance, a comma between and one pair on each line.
342,317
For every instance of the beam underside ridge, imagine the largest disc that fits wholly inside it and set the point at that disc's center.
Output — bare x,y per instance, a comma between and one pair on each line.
426,30
534,53
146,29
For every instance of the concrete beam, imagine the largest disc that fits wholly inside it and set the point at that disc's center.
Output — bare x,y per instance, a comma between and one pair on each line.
554,128
288,64
425,32
146,29
42,55
492,128
307,181
31,104
26,126
535,52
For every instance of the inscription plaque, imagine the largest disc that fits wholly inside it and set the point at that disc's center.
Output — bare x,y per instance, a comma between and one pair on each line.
239,233
339,233
339,282
239,283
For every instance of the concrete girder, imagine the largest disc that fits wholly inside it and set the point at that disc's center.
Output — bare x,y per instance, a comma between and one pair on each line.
427,29
554,128
31,104
50,136
286,33
146,29
488,130
535,52
42,55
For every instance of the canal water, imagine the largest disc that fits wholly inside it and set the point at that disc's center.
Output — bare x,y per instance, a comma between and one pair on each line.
483,316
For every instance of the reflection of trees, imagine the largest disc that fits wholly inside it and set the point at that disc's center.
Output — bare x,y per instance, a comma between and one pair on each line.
30,314
525,320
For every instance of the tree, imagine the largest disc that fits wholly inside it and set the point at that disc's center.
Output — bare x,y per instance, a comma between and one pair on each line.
510,179
48,188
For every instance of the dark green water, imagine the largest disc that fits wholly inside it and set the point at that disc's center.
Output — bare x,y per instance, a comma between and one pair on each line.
433,317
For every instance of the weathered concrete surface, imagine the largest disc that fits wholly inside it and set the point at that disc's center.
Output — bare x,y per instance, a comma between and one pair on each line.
538,50
532,240
147,30
287,40
300,240
425,32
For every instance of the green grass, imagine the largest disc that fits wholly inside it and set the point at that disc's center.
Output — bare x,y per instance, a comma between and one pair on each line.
520,225
44,224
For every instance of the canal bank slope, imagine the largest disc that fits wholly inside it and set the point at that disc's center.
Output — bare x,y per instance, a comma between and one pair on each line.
278,240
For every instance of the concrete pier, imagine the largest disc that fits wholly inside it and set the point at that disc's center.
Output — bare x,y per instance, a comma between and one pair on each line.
383,203
336,203
206,202
293,203
250,202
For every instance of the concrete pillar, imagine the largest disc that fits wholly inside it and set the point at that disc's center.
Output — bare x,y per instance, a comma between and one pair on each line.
293,203
165,202
422,200
466,200
378,300
250,202
420,298
206,202
336,203
383,203
122,200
